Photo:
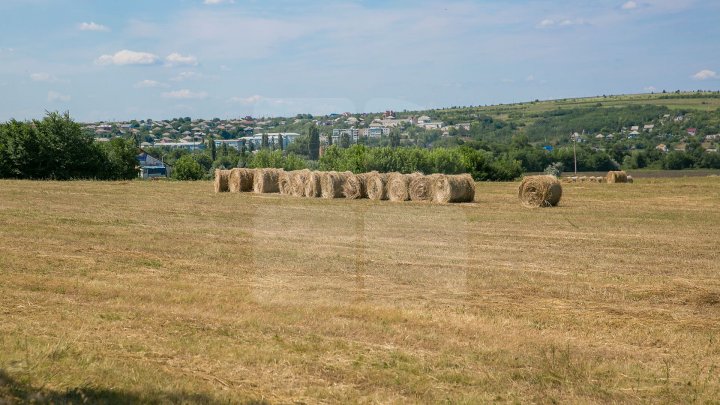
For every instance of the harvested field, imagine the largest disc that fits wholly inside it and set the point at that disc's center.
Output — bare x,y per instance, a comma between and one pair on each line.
190,296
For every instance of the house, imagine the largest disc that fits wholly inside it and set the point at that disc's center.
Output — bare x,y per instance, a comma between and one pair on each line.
150,167
352,132
635,128
424,120
692,131
648,127
600,136
273,139
678,118
189,146
662,148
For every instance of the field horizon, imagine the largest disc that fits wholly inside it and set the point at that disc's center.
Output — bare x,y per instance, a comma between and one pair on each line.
164,291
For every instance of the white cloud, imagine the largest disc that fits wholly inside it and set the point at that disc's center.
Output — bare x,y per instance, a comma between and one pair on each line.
144,84
91,26
43,77
54,96
629,5
214,2
182,76
530,78
126,57
246,100
546,23
176,59
185,94
650,88
705,74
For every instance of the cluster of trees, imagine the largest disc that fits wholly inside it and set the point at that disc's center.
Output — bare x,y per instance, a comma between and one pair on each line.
56,148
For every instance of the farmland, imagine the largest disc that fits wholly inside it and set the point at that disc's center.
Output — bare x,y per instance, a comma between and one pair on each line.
164,291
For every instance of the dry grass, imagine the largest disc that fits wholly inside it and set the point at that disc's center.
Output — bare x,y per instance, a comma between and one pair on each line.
167,292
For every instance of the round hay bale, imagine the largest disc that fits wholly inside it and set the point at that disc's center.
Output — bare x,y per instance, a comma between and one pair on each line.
375,185
267,180
617,176
240,180
600,179
312,184
421,187
331,185
574,179
582,179
540,191
354,186
592,179
453,188
397,186
222,179
629,179
298,182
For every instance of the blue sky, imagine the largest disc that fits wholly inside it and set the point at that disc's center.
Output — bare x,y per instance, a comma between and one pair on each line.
105,60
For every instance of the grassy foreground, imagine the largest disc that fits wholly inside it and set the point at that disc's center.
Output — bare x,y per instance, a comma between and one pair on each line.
166,292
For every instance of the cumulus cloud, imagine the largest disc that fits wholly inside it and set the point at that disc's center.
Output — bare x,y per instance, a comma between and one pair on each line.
650,88
144,84
176,59
629,5
182,76
246,100
565,22
54,96
214,2
126,57
43,77
91,26
705,74
185,94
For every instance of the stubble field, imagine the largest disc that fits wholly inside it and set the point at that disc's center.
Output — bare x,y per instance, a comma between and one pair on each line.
166,292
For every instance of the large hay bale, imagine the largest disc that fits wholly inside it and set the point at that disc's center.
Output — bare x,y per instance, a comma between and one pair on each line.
375,186
540,191
285,182
312,185
331,184
267,180
421,187
618,176
298,182
398,185
240,180
453,188
354,186
222,178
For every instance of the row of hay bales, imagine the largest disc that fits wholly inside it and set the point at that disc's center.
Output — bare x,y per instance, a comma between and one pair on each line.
440,188
618,176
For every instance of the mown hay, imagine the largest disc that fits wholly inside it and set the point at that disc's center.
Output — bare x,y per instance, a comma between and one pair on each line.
312,184
331,184
240,180
600,179
298,182
398,186
375,186
354,186
616,177
267,180
453,188
540,191
421,187
592,179
222,178
629,179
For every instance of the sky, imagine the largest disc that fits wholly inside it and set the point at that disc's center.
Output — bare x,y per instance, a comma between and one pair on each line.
160,59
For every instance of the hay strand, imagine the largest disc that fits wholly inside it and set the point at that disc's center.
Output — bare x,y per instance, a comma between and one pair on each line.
453,188
540,191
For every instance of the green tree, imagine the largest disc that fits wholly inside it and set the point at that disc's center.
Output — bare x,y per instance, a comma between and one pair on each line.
264,141
314,135
186,168
121,159
345,140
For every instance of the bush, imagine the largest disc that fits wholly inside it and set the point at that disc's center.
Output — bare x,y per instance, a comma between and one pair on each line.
187,168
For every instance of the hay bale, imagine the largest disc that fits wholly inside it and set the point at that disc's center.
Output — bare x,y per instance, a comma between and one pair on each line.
312,185
592,179
618,176
582,179
240,180
285,182
222,178
629,179
600,179
453,188
267,180
331,184
298,182
354,186
421,187
375,186
540,191
398,186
